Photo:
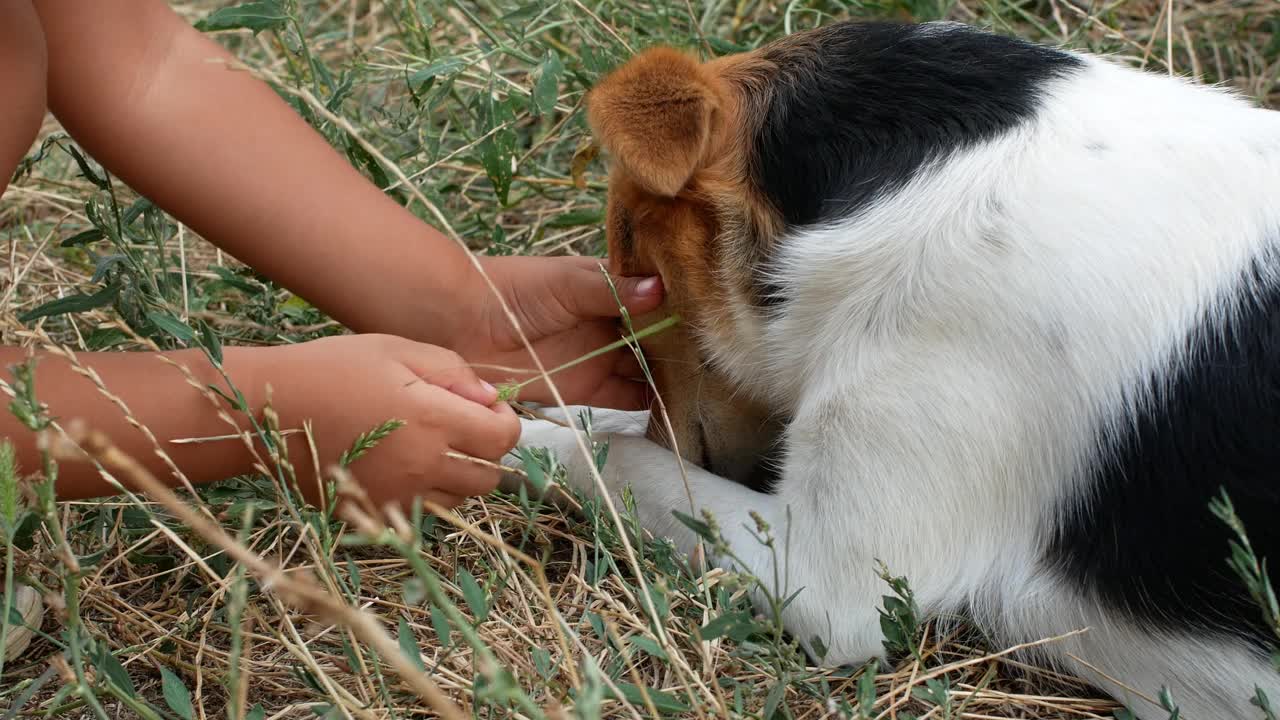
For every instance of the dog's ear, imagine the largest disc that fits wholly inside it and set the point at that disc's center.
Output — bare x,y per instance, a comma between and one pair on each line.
654,116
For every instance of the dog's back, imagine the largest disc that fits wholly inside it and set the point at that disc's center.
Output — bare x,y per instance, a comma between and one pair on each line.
1020,309
1063,338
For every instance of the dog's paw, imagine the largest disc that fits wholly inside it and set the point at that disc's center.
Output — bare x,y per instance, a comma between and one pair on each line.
547,435
537,437
601,421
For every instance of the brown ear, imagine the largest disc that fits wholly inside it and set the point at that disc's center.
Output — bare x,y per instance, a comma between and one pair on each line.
653,115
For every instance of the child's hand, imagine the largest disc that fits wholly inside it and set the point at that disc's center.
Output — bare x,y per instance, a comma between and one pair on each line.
349,385
567,309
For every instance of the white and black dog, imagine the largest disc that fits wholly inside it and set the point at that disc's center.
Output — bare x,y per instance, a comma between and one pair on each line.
1002,316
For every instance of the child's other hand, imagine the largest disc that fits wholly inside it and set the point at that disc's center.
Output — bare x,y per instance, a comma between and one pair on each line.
349,385
566,308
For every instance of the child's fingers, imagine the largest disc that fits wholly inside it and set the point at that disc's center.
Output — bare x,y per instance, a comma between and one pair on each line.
466,478
583,291
486,432
466,384
444,499
448,370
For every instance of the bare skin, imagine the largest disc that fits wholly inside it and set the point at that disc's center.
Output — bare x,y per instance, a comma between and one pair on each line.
135,86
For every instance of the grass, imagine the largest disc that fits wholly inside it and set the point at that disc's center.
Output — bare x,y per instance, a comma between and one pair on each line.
241,602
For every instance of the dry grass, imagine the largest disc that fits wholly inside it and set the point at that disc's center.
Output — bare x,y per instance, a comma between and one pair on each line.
504,584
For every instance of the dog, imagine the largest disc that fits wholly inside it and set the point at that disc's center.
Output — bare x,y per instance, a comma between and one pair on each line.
1002,316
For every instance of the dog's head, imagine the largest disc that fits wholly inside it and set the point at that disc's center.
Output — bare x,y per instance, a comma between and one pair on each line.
721,168
681,205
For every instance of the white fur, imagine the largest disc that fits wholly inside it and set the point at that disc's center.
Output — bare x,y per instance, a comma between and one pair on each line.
948,356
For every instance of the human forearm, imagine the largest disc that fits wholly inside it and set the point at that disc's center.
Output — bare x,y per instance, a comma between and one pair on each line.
223,153
157,395
219,150
22,73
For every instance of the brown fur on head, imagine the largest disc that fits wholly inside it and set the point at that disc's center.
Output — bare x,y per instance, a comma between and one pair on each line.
681,206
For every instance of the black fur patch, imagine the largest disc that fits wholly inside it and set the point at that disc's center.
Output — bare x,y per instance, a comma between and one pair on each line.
767,471
1147,542
857,109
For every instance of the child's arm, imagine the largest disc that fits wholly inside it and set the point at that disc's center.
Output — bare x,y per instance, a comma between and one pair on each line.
154,391
154,101
216,147
344,385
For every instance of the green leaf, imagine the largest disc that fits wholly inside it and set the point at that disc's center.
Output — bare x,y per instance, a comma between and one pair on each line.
440,622
256,15
474,596
360,156
339,92
86,169
575,218
235,280
773,699
353,576
79,302
93,558
28,523
171,325
542,663
294,307
928,694
867,688
256,713
1166,702
497,152
497,160
139,207
819,647
104,338
649,646
427,75
1262,702
109,666
597,625
104,265
8,490
522,13
664,702
597,571
211,342
84,237
700,528
498,241
546,85
176,694
409,645
737,626
658,596
532,468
